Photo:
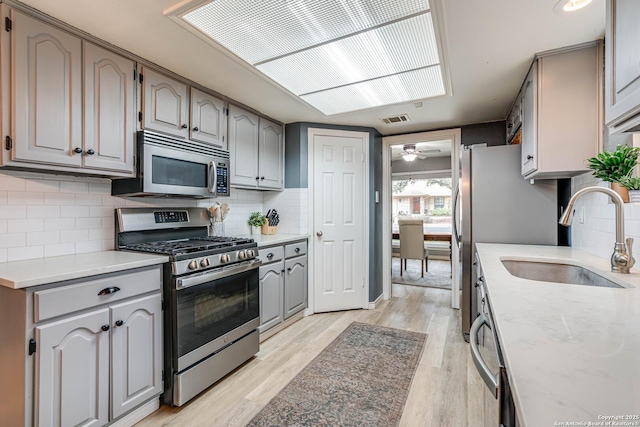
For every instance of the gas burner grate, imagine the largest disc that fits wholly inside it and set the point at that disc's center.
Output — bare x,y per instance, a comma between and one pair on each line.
188,246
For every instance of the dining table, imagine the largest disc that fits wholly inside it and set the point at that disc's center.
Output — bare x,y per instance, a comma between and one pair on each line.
433,236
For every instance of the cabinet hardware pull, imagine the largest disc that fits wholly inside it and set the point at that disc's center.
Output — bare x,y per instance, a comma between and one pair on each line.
105,328
109,290
529,157
119,323
184,126
77,150
262,177
297,250
33,346
282,271
8,142
289,269
257,178
195,129
91,152
269,255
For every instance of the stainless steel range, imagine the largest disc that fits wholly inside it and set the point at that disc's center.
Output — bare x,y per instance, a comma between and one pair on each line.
211,295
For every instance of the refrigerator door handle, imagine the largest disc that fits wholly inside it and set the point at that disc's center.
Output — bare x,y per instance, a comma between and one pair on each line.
456,200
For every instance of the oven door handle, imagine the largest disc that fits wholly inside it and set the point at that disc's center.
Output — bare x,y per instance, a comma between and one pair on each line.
217,274
492,381
213,177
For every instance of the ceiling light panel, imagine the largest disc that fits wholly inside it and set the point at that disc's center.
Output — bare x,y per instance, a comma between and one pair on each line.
409,86
405,45
261,30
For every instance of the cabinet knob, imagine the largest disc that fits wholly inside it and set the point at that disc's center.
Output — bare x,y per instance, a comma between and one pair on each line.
269,255
262,177
119,323
184,126
510,125
297,250
77,150
91,152
282,271
105,328
289,269
195,129
257,178
529,157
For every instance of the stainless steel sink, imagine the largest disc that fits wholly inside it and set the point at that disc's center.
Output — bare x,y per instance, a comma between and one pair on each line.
557,273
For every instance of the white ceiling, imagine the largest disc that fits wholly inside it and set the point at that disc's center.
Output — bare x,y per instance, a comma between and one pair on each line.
489,46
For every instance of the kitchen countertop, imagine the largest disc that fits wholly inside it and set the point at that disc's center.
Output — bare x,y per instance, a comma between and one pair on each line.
275,239
572,352
34,272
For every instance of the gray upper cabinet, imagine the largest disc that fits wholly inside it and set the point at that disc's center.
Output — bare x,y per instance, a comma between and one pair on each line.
109,110
270,156
208,119
164,104
562,112
243,147
256,147
47,93
622,66
72,371
137,353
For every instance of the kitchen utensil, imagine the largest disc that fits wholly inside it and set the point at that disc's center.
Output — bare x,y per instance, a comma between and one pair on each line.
224,210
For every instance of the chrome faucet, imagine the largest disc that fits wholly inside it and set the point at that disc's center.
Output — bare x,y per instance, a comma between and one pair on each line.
622,258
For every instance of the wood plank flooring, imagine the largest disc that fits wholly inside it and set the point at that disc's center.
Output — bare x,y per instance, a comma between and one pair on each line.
446,389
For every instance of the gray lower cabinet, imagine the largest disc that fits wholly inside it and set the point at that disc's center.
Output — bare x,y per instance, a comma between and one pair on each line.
93,349
283,283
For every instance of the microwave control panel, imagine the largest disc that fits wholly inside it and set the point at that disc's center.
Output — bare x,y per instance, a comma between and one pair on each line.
222,179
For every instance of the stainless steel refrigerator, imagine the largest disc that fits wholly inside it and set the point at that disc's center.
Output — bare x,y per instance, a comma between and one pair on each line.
498,206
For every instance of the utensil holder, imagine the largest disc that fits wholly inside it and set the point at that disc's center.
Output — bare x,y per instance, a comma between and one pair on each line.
268,229
217,229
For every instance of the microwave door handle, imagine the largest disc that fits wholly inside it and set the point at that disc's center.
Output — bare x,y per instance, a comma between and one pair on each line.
492,381
213,177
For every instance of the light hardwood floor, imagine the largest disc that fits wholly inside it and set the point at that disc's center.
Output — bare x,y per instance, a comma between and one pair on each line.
446,389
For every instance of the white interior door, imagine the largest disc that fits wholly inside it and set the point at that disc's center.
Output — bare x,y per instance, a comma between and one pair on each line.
339,216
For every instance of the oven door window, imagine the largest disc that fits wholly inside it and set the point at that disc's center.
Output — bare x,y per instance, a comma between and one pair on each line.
210,310
166,171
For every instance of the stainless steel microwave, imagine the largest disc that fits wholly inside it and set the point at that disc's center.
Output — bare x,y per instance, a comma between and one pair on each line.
168,166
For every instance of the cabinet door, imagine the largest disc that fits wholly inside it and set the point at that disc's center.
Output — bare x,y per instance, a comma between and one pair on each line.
164,107
136,353
109,104
208,120
72,371
271,155
243,147
622,68
529,120
295,285
271,295
47,93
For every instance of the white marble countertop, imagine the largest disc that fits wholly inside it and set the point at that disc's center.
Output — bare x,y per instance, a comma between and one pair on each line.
275,239
572,352
34,272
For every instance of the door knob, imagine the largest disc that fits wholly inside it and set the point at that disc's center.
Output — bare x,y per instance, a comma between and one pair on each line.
319,234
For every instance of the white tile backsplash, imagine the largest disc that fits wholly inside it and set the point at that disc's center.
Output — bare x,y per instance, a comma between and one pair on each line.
597,234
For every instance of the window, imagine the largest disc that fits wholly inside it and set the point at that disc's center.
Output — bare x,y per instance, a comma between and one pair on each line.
416,205
438,202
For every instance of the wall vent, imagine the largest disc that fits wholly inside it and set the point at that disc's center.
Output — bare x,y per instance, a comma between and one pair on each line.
396,119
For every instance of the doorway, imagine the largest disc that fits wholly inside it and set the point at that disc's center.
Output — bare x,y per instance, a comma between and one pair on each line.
430,190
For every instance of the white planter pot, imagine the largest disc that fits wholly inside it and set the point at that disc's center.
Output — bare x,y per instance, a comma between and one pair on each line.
634,196
256,230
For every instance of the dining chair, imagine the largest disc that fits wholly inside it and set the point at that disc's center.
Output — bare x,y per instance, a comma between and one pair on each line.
412,243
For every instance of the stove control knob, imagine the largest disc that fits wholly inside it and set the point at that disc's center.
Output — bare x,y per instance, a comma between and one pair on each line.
242,255
224,258
193,265
204,262
251,253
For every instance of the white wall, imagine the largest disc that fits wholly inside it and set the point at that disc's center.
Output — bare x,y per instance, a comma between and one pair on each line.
44,215
597,233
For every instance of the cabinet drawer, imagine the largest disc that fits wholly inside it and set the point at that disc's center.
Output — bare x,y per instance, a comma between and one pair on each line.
67,299
295,249
269,255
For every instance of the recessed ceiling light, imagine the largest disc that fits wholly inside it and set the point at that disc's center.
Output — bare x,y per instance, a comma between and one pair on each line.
337,56
570,5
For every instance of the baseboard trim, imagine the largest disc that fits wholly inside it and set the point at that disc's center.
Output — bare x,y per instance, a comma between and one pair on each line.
138,414
373,304
271,332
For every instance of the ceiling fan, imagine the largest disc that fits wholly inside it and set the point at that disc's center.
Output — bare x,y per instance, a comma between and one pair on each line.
410,153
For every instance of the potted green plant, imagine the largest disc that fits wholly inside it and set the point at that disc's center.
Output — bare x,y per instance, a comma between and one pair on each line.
614,166
632,183
256,220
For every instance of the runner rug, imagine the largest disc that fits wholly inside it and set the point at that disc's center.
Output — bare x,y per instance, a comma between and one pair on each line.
361,379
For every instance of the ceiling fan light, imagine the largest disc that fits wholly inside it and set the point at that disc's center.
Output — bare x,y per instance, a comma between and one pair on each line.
409,157
570,5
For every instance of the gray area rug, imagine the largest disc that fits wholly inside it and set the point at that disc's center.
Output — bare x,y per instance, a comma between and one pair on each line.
438,276
361,379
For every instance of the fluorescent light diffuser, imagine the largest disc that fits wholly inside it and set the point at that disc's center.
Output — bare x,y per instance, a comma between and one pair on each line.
337,55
